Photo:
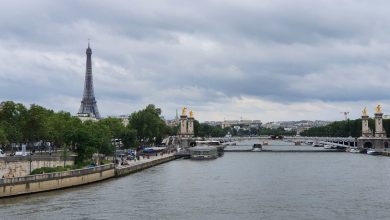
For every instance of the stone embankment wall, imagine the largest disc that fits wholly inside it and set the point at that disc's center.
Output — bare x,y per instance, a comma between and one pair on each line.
52,181
19,166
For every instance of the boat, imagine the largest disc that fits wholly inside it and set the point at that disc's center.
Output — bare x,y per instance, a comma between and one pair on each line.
340,148
257,147
309,142
217,144
354,150
363,151
203,152
372,151
328,146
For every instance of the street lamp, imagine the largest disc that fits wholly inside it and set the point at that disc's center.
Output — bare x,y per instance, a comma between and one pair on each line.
30,160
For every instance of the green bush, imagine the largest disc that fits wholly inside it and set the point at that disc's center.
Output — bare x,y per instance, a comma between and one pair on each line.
52,169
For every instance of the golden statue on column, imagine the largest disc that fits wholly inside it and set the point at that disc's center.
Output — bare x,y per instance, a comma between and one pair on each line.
184,111
191,114
365,112
378,109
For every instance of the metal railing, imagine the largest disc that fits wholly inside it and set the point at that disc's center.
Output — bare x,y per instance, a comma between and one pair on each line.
56,175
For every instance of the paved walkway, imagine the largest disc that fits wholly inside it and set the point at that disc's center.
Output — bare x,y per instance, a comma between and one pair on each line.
145,159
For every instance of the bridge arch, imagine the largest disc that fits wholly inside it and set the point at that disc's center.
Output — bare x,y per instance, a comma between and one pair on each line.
367,144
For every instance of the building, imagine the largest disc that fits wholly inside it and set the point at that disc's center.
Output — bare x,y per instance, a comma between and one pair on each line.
123,118
174,122
88,108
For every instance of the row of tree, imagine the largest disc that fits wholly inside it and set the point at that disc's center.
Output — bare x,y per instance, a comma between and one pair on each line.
348,128
36,124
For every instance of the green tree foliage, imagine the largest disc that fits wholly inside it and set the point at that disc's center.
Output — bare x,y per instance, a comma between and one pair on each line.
36,124
205,130
92,138
150,127
61,127
12,119
3,137
346,128
19,124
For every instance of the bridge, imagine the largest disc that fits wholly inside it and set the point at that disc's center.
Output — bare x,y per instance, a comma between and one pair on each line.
336,141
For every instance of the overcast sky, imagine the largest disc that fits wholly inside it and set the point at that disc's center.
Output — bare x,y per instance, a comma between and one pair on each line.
225,59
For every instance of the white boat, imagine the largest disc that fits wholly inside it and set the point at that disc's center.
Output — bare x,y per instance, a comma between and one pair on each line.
328,146
203,152
354,150
372,151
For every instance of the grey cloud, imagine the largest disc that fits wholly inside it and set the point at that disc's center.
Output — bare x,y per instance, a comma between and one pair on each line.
197,53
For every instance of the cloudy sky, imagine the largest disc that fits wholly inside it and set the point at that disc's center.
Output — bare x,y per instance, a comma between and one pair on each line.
225,59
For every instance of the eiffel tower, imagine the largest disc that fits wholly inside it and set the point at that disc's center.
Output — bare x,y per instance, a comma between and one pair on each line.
88,104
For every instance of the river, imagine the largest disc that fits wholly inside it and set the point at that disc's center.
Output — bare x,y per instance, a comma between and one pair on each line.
252,185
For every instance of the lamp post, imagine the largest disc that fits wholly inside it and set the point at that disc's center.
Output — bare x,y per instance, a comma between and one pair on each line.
30,160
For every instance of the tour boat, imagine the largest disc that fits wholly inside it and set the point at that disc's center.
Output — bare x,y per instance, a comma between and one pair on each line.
372,151
203,152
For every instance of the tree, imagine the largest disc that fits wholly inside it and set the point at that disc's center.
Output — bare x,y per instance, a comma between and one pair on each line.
12,119
149,126
114,125
129,137
205,130
35,126
3,137
92,138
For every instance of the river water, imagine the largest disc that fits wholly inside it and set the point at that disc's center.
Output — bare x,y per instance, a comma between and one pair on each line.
252,185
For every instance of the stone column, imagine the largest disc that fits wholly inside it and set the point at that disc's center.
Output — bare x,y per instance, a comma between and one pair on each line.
191,126
366,132
183,125
379,131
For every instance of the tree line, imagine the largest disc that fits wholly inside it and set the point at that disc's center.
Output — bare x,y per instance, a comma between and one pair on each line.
36,124
348,128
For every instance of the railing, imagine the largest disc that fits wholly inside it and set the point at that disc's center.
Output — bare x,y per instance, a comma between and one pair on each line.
57,175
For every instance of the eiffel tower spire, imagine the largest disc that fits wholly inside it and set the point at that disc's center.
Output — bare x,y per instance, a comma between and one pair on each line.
88,104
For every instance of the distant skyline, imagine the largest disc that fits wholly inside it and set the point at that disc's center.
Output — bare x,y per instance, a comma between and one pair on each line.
270,60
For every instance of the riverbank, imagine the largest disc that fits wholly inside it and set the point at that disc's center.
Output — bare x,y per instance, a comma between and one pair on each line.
60,180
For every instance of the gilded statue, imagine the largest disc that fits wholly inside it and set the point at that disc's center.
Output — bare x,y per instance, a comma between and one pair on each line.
184,111
365,112
378,109
191,114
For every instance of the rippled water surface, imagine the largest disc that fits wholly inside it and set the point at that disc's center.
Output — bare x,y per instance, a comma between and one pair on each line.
235,186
